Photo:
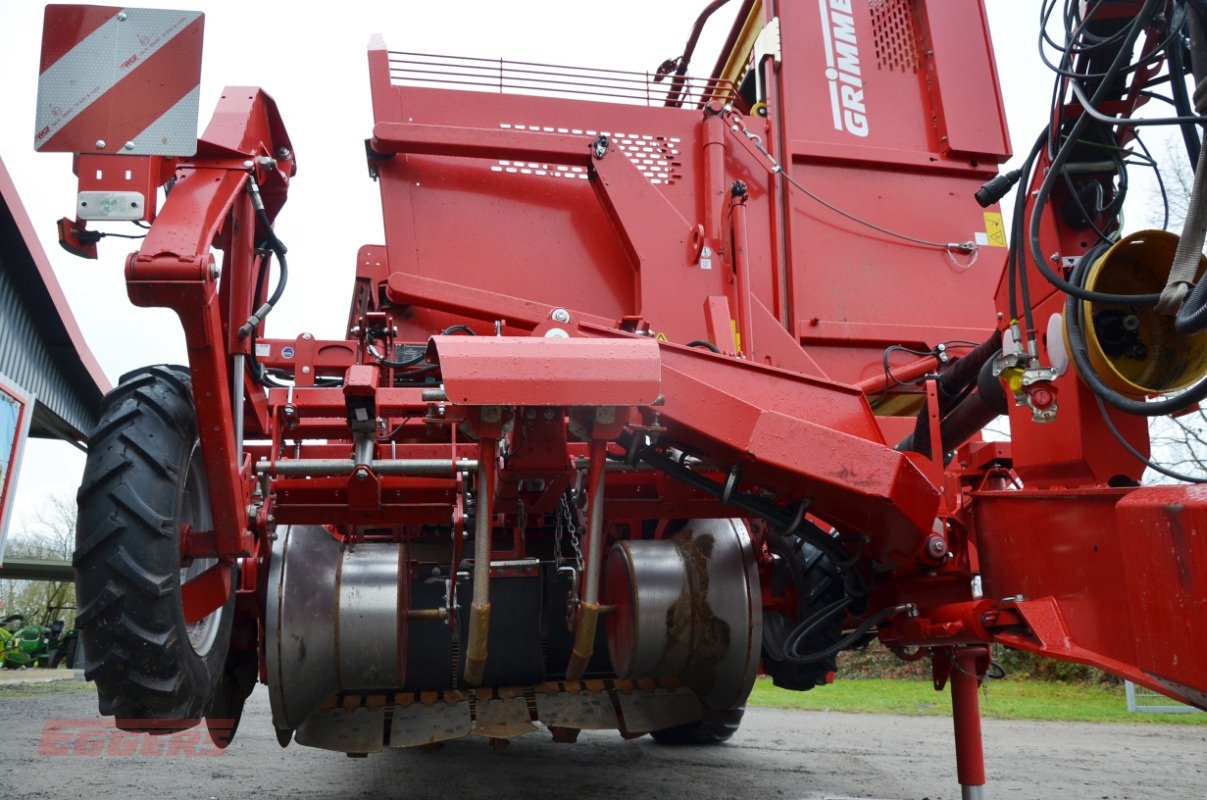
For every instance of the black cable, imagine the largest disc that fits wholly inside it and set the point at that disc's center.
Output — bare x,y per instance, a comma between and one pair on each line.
1160,182
707,345
1075,323
1110,424
386,362
794,638
1181,100
449,331
1062,156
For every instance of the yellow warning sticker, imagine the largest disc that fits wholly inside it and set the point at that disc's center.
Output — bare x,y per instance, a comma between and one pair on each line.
995,229
661,337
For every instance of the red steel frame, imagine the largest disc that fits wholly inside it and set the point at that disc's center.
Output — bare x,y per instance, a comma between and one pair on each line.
599,239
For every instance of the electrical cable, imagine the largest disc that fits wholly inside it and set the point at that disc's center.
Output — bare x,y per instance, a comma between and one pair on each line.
776,168
1078,350
1110,425
794,639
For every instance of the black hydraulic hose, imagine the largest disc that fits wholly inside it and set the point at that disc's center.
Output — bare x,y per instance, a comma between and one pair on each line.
953,386
1181,100
794,638
1062,155
675,96
759,507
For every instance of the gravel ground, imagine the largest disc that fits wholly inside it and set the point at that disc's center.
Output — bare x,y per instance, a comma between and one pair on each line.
778,754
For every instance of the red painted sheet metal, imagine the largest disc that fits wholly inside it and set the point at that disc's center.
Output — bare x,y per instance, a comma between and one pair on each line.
118,80
480,370
1165,529
8,191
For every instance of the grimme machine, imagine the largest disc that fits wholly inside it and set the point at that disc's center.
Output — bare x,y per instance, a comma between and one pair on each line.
656,383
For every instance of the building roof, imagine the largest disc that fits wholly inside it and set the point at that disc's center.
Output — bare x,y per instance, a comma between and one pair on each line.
41,347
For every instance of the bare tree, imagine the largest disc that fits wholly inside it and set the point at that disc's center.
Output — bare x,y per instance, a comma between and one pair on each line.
50,536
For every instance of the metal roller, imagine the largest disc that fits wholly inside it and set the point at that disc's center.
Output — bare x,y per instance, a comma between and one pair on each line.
689,608
336,621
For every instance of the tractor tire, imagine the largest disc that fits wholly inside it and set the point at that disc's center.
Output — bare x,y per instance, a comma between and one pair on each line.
705,732
143,479
817,583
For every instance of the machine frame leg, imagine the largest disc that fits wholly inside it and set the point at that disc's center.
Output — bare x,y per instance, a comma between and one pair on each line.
965,668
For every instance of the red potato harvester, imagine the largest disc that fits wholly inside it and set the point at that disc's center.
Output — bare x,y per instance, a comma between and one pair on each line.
656,382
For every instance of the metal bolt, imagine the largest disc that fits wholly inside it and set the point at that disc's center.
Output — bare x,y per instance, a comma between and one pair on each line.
129,145
248,164
936,547
215,271
556,333
560,315
100,144
305,370
283,154
362,474
122,17
307,336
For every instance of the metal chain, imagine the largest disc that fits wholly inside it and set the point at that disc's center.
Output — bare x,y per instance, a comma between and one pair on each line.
572,527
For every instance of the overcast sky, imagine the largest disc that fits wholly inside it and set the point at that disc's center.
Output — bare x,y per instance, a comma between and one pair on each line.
311,59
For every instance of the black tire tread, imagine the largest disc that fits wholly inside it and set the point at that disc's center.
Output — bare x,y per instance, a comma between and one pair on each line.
717,729
127,555
818,584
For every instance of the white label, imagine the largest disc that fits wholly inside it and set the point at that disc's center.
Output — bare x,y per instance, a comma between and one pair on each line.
263,349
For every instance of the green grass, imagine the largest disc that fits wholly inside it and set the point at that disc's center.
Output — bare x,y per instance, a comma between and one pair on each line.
1008,699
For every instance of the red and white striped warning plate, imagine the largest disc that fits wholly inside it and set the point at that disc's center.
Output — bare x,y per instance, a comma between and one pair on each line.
119,80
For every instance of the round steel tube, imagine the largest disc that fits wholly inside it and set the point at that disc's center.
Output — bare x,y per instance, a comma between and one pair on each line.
479,610
329,467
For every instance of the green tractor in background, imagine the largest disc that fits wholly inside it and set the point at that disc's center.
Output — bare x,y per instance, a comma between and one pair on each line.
44,646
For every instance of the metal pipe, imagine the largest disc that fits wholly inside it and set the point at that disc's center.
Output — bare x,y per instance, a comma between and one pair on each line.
741,268
363,449
589,608
237,367
904,374
334,467
966,716
479,611
438,614
614,466
715,141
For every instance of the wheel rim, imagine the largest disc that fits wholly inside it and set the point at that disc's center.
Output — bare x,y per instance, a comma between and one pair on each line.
195,512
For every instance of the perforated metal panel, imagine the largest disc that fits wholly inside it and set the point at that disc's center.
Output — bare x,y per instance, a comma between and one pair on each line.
896,35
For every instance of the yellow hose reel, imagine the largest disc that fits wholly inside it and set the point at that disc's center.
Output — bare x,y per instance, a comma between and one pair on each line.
1136,350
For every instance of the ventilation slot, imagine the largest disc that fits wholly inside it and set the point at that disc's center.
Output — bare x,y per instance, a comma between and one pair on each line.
896,35
656,157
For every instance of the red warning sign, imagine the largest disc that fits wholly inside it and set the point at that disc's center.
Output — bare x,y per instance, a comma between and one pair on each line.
119,80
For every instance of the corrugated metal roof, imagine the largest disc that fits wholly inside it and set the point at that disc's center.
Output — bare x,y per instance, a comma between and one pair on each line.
41,348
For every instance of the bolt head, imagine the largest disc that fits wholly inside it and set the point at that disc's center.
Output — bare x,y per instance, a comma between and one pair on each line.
100,144
556,333
122,17
129,145
936,546
362,474
560,315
